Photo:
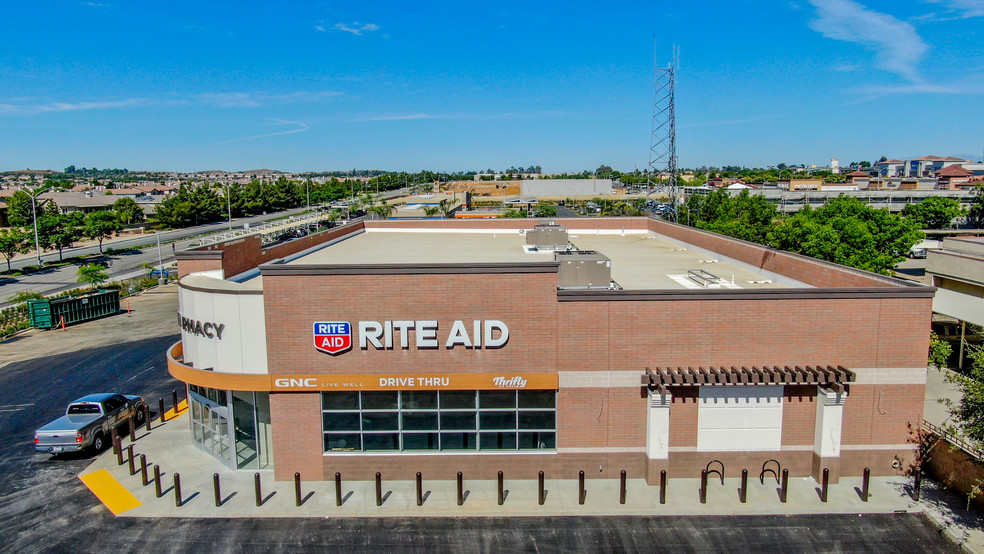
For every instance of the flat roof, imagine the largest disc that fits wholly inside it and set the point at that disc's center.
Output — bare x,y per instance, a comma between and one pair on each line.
641,260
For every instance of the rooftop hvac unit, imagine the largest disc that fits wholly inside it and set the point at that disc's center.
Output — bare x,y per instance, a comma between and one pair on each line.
583,269
547,237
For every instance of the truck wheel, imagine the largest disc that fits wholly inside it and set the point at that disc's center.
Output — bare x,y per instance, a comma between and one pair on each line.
139,416
97,443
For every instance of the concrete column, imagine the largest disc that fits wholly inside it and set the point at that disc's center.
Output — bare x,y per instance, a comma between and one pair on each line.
657,433
827,435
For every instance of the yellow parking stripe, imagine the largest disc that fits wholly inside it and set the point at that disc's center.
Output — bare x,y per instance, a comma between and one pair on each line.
182,408
110,491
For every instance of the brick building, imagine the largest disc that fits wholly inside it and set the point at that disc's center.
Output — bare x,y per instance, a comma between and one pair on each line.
444,346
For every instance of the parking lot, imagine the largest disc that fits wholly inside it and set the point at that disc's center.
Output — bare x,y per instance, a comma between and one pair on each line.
45,507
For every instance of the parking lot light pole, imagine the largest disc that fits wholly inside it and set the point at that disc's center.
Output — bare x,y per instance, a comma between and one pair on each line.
229,205
160,260
34,213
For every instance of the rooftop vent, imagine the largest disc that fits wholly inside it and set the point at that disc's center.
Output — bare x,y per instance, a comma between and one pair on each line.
549,237
583,269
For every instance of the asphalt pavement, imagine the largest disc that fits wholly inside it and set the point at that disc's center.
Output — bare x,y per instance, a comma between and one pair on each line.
44,507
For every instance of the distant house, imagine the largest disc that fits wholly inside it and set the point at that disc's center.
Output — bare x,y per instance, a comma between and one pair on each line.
859,178
952,175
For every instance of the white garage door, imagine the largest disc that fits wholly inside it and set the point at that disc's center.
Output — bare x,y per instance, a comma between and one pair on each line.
739,418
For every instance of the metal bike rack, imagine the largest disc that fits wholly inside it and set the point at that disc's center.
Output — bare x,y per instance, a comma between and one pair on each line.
765,469
720,472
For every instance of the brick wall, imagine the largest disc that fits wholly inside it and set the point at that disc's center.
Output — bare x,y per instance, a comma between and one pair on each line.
297,435
186,267
956,469
863,333
601,417
799,415
244,254
526,303
882,414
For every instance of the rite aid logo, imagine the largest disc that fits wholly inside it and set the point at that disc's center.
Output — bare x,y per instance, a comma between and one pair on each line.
333,337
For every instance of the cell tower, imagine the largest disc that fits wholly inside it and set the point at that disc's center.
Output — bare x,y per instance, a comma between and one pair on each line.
662,142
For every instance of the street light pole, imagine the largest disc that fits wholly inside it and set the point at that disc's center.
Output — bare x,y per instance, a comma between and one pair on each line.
160,259
34,213
228,206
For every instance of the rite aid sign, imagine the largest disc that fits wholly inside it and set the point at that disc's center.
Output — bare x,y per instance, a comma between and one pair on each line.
335,337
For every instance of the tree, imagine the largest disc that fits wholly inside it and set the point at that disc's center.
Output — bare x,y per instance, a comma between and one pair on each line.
447,208
19,210
939,351
431,211
383,210
100,225
11,242
545,210
969,411
935,212
975,216
743,216
127,210
93,274
849,232
68,229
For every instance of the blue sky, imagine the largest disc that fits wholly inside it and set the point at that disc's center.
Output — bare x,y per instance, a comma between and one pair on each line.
451,86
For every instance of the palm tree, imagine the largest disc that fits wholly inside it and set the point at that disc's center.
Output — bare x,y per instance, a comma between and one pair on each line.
431,211
447,208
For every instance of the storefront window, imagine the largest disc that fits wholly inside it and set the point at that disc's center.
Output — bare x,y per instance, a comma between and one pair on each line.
439,420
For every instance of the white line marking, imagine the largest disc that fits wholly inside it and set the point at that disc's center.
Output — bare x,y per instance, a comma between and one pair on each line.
138,374
16,406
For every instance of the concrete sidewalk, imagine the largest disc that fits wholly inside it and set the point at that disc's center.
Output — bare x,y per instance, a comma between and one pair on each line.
170,446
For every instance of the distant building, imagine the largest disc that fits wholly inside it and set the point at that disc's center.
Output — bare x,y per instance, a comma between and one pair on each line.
951,175
890,168
835,166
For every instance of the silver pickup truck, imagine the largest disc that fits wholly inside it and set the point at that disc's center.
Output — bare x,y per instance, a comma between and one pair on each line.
88,423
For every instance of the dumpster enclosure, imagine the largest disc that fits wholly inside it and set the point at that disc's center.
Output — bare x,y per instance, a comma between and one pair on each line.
48,313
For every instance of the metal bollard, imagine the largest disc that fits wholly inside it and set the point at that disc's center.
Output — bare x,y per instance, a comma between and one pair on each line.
420,489
146,411
133,430
621,486
129,459
580,487
157,481
143,469
257,489
177,490
379,489
539,497
917,484
501,490
160,407
461,491
865,479
297,489
662,486
784,486
174,401
743,492
338,489
116,441
119,451
217,489
703,486
824,483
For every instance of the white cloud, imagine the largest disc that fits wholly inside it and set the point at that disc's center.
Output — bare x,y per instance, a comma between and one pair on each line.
22,107
34,109
356,28
259,99
963,8
301,127
898,47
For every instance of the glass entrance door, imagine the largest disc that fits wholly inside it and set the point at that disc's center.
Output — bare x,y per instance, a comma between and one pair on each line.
210,426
